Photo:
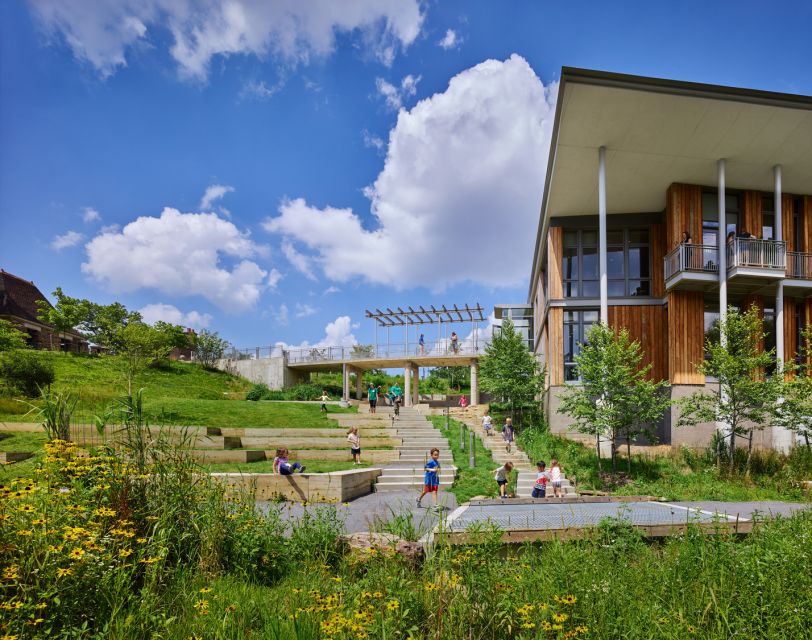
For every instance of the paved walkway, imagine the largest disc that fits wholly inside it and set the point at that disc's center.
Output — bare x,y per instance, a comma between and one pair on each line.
363,514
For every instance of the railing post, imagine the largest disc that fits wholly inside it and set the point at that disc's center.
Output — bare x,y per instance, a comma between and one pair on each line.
471,450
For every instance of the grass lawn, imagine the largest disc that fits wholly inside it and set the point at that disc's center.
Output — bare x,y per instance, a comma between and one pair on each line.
13,441
266,466
230,413
470,482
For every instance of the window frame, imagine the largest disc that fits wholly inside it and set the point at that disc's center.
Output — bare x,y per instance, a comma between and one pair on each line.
582,327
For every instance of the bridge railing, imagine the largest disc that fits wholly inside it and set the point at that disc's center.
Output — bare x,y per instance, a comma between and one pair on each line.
443,347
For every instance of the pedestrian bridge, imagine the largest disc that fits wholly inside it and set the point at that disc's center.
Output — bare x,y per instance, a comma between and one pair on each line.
279,367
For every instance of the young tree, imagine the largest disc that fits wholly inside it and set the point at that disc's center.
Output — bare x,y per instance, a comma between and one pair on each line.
138,345
68,314
745,397
11,337
615,398
794,410
509,371
209,348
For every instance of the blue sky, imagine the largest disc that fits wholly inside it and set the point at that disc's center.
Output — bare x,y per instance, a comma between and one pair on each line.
359,154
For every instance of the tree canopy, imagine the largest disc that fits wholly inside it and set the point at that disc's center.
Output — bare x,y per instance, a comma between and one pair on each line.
509,371
615,399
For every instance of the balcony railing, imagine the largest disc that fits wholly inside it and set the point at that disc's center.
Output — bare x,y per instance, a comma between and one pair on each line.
799,265
758,254
701,258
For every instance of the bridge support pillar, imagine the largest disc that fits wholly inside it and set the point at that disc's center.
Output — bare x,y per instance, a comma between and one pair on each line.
345,387
407,384
416,386
474,384
359,384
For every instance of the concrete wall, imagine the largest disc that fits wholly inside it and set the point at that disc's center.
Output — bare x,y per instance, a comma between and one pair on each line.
270,371
338,486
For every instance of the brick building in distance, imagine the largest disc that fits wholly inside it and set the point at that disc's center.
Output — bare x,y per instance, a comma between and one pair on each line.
18,304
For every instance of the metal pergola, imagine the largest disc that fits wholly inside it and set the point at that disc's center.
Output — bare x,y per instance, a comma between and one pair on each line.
432,315
411,317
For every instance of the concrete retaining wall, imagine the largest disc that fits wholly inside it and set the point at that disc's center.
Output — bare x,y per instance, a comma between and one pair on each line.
270,371
339,486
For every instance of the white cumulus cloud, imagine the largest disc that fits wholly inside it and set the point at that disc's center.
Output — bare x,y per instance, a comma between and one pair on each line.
152,313
305,310
180,254
66,240
90,215
300,261
337,333
394,96
213,192
103,32
459,194
273,278
450,40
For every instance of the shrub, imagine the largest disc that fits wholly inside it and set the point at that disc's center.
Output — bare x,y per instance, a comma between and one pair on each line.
26,371
258,392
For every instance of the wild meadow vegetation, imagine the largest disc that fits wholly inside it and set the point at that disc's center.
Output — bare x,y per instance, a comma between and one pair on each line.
141,545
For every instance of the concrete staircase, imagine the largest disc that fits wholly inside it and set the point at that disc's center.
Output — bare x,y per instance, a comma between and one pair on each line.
418,438
522,465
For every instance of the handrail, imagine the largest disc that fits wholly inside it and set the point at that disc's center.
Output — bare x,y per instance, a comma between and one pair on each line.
799,265
752,252
702,258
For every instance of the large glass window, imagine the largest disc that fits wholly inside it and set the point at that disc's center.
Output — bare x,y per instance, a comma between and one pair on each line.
710,216
576,325
628,263
768,218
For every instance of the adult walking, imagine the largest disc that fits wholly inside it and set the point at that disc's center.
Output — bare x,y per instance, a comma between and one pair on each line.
372,393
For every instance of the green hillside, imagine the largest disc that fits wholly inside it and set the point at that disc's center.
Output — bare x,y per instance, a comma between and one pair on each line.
179,394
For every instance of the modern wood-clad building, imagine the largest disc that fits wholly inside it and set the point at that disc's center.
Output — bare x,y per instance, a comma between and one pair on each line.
637,165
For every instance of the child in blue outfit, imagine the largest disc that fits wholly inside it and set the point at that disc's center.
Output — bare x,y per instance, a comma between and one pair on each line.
431,483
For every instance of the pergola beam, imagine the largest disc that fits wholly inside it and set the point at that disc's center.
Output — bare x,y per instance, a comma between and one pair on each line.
400,317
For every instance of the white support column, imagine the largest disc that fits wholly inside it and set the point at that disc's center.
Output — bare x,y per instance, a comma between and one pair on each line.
407,384
720,168
474,383
778,235
604,281
359,384
416,387
782,438
345,387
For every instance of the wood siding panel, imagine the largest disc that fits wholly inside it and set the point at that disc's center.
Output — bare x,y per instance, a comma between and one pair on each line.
555,355
658,251
752,213
686,335
787,222
645,324
790,338
555,253
806,225
683,212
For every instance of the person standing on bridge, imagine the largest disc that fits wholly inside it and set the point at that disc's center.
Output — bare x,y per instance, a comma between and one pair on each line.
455,343
421,343
372,392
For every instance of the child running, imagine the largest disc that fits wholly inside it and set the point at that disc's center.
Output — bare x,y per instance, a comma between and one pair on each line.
355,444
542,477
487,424
281,466
324,400
431,483
507,434
502,476
555,476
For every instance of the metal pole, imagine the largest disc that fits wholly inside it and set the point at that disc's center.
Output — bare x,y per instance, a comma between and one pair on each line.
779,297
462,436
471,454
447,425
604,281
720,168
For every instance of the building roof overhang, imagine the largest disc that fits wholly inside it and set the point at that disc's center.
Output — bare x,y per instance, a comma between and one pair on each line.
658,132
